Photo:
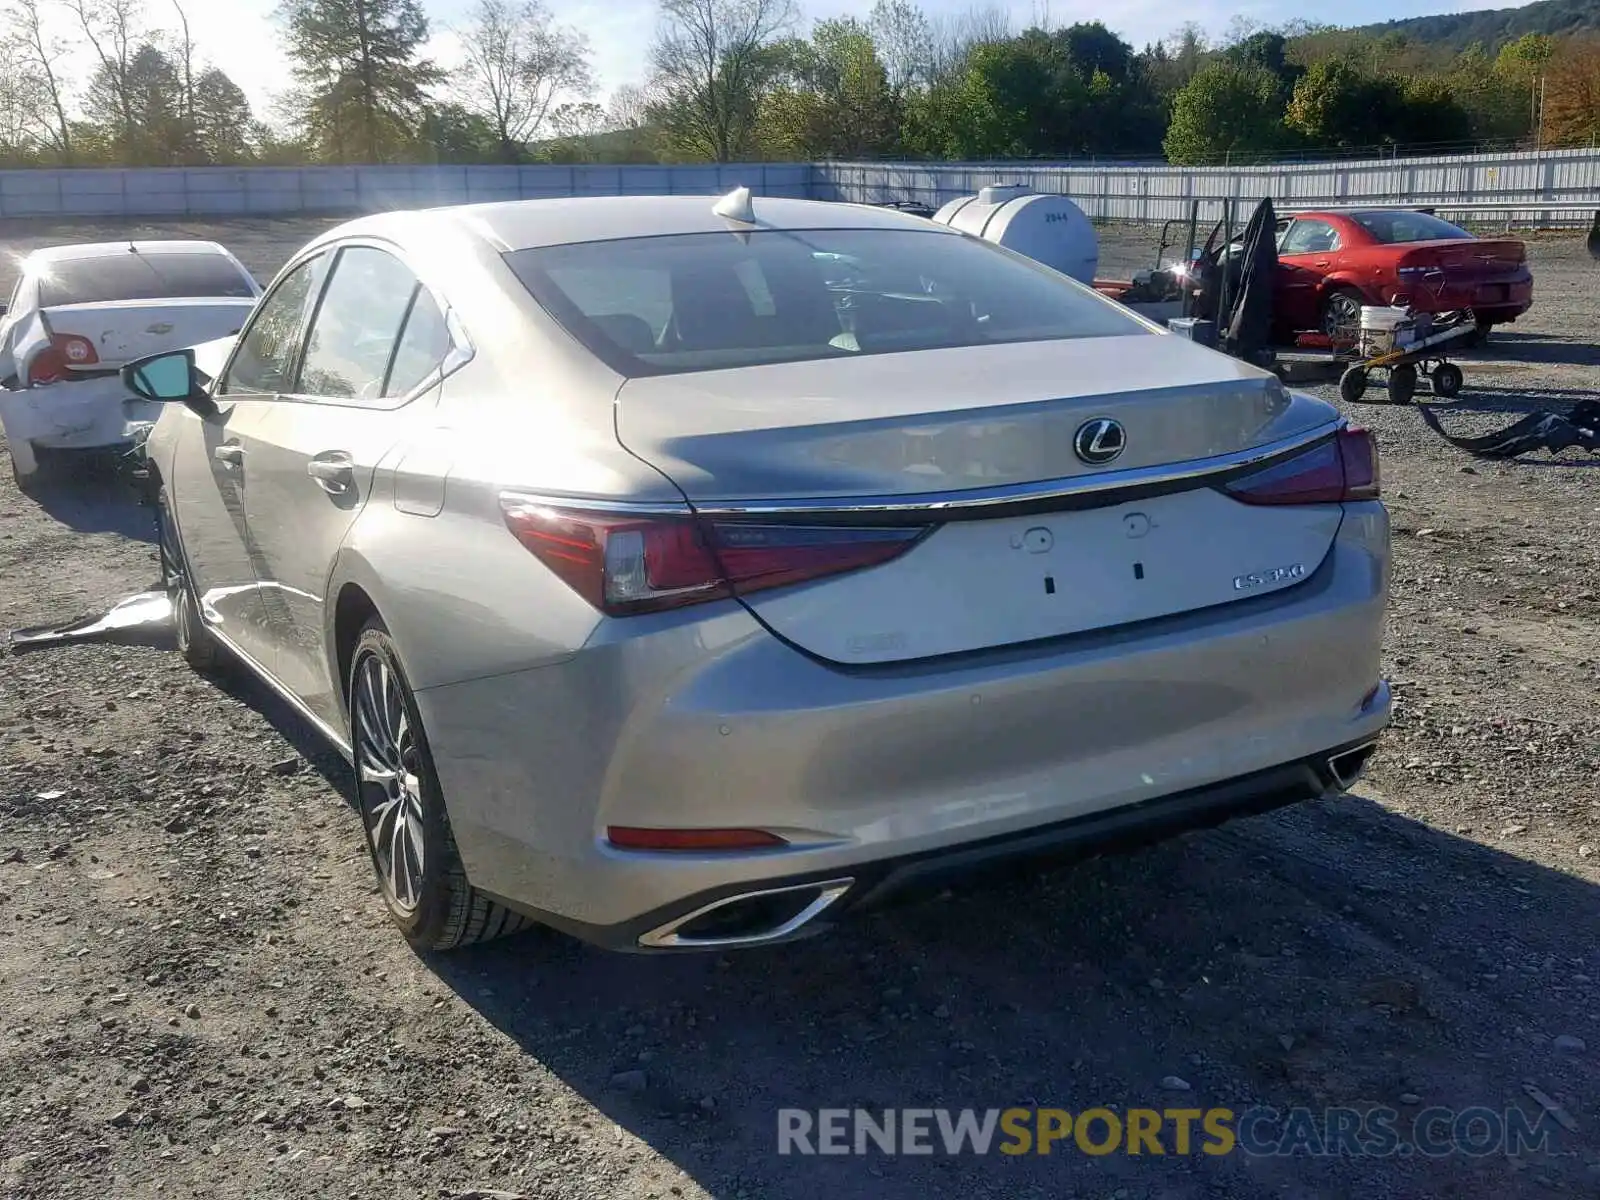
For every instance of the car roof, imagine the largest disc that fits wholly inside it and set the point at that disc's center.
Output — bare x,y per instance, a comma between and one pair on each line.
525,224
80,250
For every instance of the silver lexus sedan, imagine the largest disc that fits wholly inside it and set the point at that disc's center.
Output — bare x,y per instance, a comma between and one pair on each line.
684,574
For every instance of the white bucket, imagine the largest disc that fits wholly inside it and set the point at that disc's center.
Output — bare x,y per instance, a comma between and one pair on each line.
1381,318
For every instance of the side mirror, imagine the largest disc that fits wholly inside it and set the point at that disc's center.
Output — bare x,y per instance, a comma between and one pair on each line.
168,378
4,309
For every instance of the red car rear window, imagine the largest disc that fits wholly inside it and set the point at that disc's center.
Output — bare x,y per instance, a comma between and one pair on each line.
1392,228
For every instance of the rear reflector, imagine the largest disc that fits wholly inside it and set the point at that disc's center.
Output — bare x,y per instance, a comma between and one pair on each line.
1344,468
624,565
630,838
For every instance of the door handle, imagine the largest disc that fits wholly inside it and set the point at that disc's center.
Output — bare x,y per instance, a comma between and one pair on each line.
230,454
334,472
1324,262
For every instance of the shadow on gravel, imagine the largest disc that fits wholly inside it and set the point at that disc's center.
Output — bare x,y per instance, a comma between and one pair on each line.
93,493
1544,350
1500,400
238,682
1335,954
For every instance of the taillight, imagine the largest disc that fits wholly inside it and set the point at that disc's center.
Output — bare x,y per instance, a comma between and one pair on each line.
65,350
1343,468
624,564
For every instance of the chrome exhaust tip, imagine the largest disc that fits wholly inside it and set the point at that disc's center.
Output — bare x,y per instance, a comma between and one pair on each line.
1347,767
748,918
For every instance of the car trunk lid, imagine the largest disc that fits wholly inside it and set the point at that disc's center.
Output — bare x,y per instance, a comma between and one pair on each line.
1026,539
1466,257
98,339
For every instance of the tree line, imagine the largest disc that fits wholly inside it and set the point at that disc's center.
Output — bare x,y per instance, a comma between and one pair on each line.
739,79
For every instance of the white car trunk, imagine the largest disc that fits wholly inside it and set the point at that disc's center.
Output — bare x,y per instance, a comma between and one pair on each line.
797,440
122,331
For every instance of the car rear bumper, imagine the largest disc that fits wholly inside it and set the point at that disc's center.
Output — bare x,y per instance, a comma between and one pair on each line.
744,914
1506,298
712,722
75,414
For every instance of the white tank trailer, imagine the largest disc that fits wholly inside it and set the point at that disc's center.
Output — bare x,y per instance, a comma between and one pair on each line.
1049,229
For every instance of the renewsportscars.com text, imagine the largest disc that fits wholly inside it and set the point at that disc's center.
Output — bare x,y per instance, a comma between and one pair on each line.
1337,1132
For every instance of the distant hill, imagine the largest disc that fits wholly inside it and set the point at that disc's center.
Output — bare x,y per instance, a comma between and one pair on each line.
1496,26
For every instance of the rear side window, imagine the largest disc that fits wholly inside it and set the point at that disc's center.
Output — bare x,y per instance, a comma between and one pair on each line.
1394,228
133,276
357,325
706,301
422,348
1310,237
264,362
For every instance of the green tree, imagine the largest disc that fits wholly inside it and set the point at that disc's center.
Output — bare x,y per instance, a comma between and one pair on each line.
137,109
714,61
33,59
1270,51
1527,58
222,120
519,66
1091,47
903,40
1431,113
114,30
1523,64
1336,105
1496,108
836,101
454,133
1226,111
959,117
361,84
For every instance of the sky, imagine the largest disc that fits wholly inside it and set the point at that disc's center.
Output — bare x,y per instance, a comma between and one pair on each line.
242,38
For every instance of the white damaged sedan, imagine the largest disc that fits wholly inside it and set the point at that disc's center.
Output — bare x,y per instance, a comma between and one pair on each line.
79,313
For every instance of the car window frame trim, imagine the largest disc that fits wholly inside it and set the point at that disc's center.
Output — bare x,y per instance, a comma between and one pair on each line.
462,349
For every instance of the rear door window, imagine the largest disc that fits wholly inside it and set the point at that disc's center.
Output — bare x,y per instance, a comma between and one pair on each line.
357,327
1310,237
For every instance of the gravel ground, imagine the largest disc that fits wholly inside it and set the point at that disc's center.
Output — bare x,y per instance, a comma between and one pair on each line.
203,999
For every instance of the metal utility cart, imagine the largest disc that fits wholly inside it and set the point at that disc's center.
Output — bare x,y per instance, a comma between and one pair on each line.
1405,345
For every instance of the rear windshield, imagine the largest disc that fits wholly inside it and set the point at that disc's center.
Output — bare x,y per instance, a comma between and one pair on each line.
1391,228
133,276
703,301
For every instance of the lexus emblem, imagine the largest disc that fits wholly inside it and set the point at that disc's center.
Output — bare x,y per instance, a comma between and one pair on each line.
1100,441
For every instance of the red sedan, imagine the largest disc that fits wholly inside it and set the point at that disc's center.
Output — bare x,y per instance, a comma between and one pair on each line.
1331,263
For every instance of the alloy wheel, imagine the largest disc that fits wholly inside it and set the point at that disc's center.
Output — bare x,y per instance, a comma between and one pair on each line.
391,786
1342,314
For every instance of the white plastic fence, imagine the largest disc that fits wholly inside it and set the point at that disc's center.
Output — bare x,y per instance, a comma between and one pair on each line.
1553,186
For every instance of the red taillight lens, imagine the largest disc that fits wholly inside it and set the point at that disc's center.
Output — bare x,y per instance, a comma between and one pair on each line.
1343,468
629,838
625,565
65,350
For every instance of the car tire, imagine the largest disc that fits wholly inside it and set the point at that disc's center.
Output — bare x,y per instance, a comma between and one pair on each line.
403,817
199,649
1447,380
1402,384
1341,311
1481,328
